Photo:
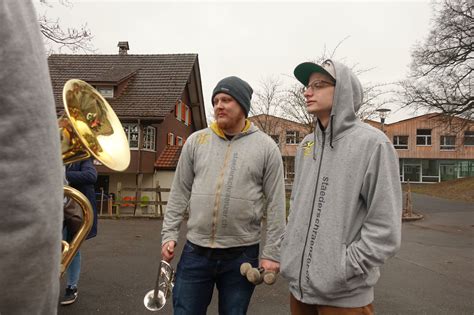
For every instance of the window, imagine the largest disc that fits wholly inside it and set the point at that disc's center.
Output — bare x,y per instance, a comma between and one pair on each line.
179,141
182,112
149,136
469,138
275,138
289,167
132,132
447,143
466,168
430,171
106,91
292,137
423,137
400,142
170,140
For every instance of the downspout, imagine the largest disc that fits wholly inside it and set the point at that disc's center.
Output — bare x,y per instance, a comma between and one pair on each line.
138,181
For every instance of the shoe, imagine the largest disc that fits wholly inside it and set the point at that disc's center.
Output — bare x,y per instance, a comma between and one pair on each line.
69,297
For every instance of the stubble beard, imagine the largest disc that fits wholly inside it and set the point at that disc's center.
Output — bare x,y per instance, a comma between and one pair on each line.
228,123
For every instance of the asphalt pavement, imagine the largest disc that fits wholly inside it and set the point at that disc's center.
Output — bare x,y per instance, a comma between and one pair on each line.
432,274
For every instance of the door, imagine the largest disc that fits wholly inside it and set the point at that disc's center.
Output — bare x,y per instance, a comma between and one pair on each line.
412,173
447,171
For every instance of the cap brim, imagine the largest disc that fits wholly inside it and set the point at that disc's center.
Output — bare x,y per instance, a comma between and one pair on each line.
304,70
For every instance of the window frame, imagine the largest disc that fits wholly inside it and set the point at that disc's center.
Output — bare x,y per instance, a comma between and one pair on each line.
469,136
149,138
427,138
171,136
289,168
397,145
182,112
129,132
290,136
101,88
447,147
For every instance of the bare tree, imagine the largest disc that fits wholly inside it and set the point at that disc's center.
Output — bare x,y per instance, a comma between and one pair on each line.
295,107
267,102
58,38
441,69
376,96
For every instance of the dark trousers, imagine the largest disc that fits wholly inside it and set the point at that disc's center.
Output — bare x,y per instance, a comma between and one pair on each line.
199,271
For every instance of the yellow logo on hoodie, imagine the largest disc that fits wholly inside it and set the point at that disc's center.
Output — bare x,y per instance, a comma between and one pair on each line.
203,138
307,148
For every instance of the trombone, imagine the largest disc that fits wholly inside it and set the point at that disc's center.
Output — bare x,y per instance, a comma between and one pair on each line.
88,128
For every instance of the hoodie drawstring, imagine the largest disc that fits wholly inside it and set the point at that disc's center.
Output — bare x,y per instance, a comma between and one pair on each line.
330,136
314,139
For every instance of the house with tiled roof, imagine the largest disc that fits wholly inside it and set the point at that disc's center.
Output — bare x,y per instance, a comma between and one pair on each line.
158,99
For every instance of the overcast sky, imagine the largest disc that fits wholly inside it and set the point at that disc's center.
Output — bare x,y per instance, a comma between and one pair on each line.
258,39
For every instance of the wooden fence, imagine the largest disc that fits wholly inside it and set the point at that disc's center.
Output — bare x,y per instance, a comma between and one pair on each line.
123,205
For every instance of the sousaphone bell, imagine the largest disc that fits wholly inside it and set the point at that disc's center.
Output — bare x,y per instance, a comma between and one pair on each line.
88,128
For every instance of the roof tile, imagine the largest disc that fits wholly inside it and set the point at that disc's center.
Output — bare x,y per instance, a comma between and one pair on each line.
155,83
168,159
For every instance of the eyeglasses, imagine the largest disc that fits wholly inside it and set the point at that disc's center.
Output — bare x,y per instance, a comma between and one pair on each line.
316,85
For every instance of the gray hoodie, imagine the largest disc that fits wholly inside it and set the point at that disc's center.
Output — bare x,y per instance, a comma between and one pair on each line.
31,187
345,217
227,185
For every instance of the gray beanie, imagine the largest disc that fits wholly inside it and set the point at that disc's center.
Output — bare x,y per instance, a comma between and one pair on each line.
240,90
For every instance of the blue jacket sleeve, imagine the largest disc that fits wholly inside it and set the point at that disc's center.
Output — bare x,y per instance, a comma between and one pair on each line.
86,175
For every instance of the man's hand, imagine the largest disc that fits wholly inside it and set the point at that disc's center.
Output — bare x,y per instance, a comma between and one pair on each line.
270,265
167,251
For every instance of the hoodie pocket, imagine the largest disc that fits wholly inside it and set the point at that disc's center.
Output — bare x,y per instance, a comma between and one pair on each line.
290,256
327,272
200,213
237,217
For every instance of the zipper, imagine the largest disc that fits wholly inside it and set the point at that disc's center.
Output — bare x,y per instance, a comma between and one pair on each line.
312,211
217,201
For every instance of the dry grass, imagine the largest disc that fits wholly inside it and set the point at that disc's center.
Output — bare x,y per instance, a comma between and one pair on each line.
458,189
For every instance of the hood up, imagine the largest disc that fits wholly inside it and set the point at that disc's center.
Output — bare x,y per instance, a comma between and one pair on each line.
347,100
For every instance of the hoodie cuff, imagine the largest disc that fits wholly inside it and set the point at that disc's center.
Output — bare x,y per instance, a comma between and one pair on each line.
271,253
166,239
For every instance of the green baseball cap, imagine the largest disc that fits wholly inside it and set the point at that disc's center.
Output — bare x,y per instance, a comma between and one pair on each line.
304,70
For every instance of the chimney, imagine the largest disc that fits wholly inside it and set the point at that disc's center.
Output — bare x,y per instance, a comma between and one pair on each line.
123,47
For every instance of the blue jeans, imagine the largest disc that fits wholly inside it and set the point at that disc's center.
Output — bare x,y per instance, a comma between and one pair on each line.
74,270
197,274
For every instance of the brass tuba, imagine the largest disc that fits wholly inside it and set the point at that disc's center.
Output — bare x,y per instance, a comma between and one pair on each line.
88,128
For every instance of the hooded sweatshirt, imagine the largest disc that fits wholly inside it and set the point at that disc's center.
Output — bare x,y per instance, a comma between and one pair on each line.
31,186
227,185
346,204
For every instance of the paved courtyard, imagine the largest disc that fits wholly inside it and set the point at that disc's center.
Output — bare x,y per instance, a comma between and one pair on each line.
432,274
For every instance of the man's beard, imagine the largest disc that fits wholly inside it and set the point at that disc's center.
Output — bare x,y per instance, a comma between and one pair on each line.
227,122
